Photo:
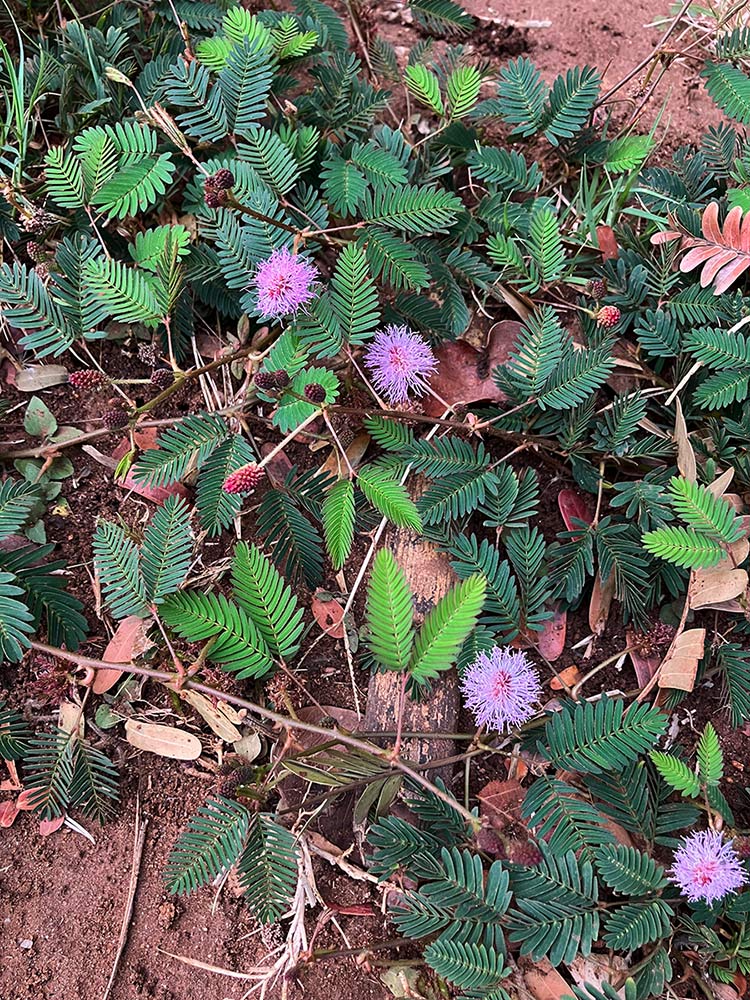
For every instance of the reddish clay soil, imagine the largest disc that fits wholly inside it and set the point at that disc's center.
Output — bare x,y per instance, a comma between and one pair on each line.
62,898
613,36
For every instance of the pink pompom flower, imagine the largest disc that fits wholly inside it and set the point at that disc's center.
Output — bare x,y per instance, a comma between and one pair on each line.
707,868
401,362
502,688
285,281
244,479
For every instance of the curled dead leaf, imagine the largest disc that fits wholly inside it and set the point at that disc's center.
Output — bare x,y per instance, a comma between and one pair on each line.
129,641
680,665
221,718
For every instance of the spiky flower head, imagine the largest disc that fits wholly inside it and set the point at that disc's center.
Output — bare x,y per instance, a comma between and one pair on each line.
38,222
401,361
285,281
608,316
36,251
502,688
706,867
598,288
162,378
88,380
265,381
147,354
214,197
525,853
315,393
281,378
222,180
244,479
115,418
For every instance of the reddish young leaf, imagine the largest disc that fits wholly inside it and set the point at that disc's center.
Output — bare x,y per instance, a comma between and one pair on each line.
8,812
573,507
50,826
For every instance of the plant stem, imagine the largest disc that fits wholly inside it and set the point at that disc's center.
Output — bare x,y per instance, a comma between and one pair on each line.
176,683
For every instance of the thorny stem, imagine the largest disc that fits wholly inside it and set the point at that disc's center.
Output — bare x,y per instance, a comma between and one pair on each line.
655,53
50,449
172,681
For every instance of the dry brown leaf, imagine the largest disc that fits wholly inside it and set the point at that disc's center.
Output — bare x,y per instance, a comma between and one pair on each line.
355,452
716,586
70,717
465,374
37,377
501,802
645,666
685,455
221,717
166,741
329,614
248,747
720,485
128,642
8,812
551,640
570,676
544,982
680,665
600,603
607,242
50,826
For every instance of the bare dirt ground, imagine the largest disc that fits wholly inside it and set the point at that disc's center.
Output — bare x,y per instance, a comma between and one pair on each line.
62,898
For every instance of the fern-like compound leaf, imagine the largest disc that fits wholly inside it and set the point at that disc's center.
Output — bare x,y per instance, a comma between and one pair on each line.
600,736
389,496
338,521
166,549
212,843
268,868
117,563
446,627
259,588
628,871
390,613
235,641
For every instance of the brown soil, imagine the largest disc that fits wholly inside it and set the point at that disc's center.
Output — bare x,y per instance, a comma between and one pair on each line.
65,895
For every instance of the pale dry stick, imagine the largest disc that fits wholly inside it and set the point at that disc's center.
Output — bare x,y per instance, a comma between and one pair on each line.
699,364
177,683
139,840
644,62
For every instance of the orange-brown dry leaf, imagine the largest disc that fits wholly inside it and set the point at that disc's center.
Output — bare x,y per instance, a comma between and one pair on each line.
570,676
551,640
543,981
600,603
329,614
128,642
501,802
680,665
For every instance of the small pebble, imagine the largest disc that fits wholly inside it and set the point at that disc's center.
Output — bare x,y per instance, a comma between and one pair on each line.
26,944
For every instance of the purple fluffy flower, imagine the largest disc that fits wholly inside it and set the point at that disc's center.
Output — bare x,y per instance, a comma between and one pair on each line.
285,281
707,868
502,688
401,362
